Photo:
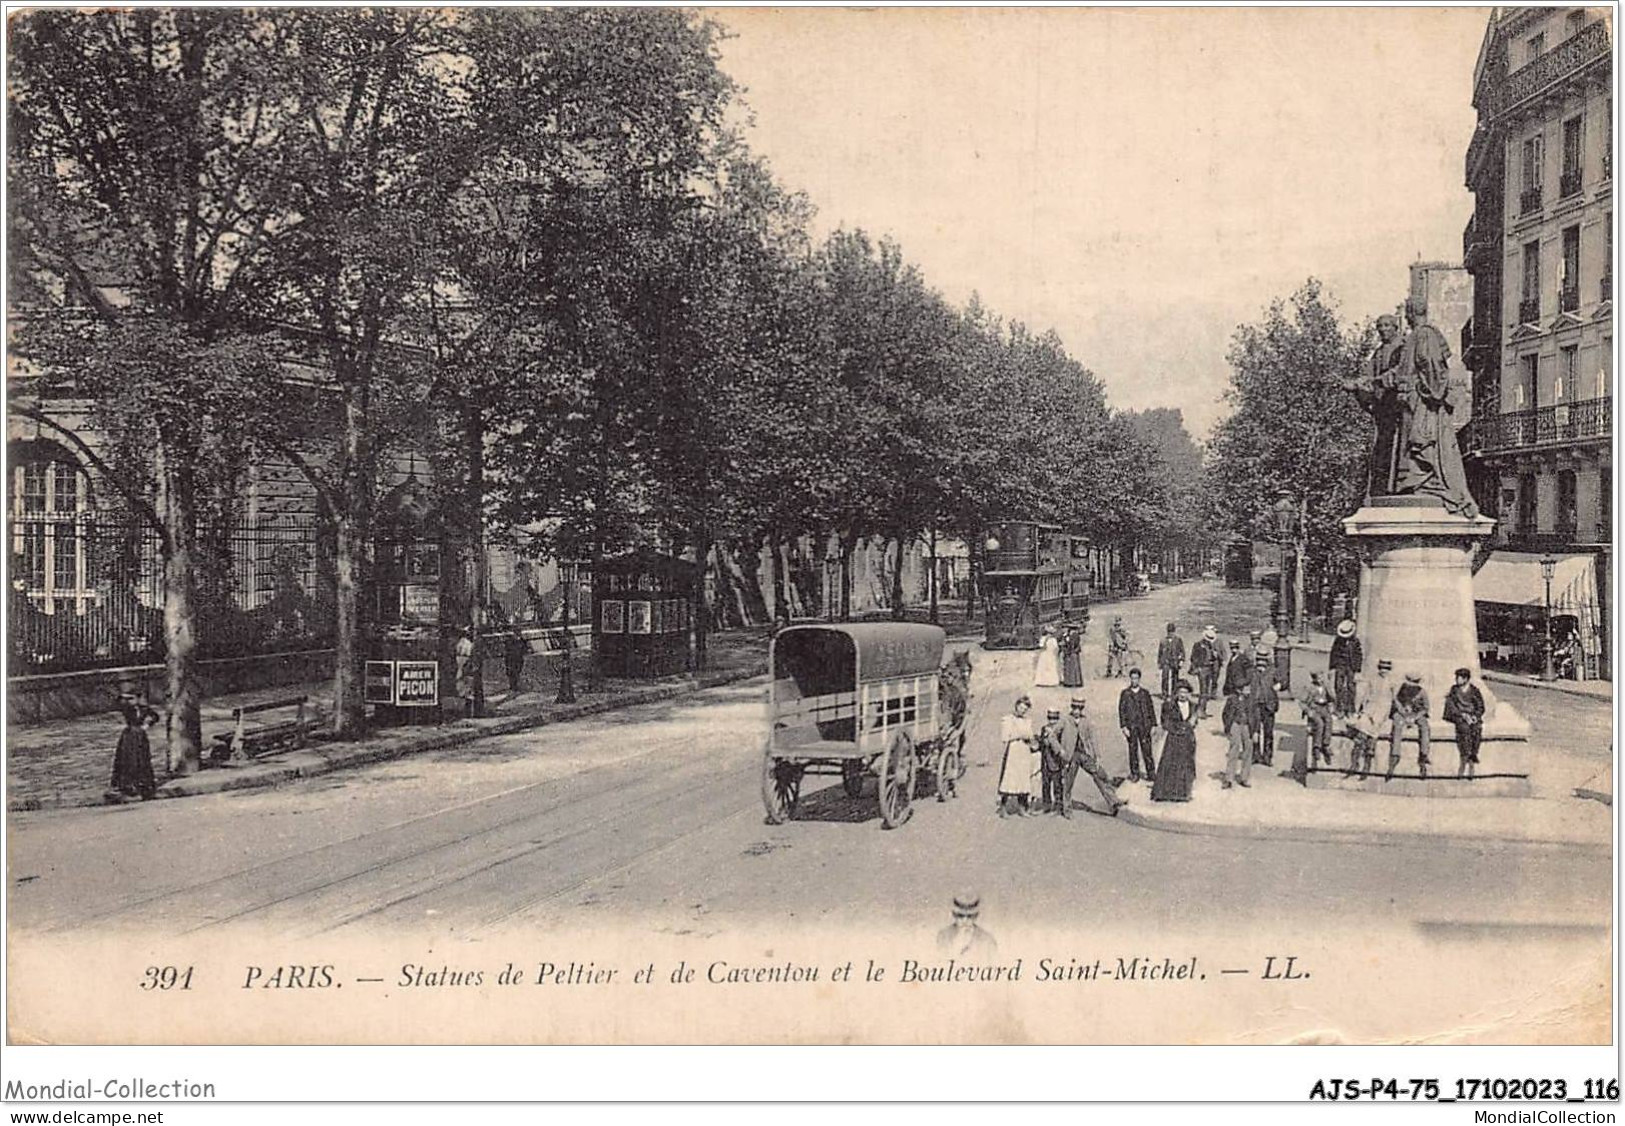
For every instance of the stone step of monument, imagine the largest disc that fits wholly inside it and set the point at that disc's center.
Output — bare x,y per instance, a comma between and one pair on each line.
1414,785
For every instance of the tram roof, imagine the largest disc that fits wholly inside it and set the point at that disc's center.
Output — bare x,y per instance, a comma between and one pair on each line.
884,649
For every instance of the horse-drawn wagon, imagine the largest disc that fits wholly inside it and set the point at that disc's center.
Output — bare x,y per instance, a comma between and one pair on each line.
857,700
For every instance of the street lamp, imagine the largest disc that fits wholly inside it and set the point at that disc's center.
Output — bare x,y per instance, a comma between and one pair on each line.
1548,567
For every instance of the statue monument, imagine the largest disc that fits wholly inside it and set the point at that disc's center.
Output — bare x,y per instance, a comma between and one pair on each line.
1417,530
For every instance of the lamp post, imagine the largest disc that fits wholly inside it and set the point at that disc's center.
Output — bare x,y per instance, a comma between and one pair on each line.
1548,567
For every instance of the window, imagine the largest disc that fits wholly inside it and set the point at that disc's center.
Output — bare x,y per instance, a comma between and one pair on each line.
1529,306
1568,373
1528,503
1534,47
48,495
1529,388
1574,22
1569,293
1533,171
1568,505
1573,154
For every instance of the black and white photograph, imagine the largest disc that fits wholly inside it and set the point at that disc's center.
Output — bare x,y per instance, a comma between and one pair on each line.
810,526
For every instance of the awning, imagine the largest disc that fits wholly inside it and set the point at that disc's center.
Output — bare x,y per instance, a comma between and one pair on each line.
1513,578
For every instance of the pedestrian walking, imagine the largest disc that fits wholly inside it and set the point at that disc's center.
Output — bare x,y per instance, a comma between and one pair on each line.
463,669
1410,710
1016,769
1170,659
1047,671
1266,702
1207,658
1346,664
1283,661
1050,763
1137,716
514,650
1177,774
1238,670
1317,715
1078,734
1238,727
1071,656
132,758
1116,647
1464,707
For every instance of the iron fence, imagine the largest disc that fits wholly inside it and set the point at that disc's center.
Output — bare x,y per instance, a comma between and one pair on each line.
87,590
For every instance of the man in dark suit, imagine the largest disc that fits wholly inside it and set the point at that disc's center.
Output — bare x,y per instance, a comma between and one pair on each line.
1138,718
1266,702
1170,659
1238,671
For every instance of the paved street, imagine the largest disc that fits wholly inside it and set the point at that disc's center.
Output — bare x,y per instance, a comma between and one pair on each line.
652,816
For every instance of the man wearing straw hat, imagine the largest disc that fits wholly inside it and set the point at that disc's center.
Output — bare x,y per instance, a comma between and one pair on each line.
1346,663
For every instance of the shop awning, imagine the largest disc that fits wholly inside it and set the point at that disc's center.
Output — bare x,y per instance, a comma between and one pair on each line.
1513,578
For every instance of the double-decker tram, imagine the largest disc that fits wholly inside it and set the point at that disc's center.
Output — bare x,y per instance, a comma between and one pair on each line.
1031,577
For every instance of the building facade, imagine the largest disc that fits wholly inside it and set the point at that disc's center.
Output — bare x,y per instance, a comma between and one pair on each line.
1540,249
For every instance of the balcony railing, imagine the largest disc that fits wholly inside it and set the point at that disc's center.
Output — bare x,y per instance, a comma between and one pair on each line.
1568,298
1563,422
1529,201
1529,310
1569,183
1605,288
1586,46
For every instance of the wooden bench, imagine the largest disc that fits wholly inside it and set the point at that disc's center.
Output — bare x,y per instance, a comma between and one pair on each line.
253,742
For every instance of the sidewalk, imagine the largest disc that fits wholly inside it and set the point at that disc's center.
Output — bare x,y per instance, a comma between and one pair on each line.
1279,808
67,763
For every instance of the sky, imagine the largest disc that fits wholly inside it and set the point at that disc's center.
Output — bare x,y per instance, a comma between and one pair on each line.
1140,180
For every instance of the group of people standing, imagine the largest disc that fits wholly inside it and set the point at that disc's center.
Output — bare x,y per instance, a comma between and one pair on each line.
1252,677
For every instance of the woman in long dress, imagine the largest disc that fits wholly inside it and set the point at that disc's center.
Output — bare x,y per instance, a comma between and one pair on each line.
1072,657
1016,771
1047,673
1176,773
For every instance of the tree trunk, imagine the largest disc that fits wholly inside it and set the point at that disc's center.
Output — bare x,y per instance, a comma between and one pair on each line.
899,607
702,619
177,507
847,547
475,436
972,579
781,604
931,578
348,708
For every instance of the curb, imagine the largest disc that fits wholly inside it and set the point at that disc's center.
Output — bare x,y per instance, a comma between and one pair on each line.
313,763
1319,835
1562,686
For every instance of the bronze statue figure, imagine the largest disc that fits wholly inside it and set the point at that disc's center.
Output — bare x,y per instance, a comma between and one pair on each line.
1407,389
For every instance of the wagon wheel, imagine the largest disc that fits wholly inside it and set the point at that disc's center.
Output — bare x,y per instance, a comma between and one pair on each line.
781,789
949,767
897,782
852,773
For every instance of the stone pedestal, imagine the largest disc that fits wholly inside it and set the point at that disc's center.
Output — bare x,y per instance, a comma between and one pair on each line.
1416,603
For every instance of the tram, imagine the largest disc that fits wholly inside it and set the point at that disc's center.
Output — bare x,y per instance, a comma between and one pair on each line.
1033,574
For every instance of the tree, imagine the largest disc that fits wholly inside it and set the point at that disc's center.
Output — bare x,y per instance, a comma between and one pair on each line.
1291,429
1181,519
146,191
